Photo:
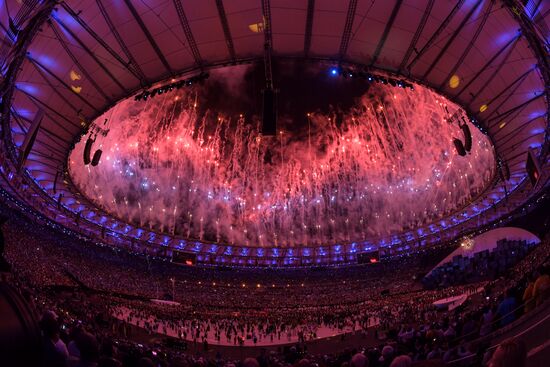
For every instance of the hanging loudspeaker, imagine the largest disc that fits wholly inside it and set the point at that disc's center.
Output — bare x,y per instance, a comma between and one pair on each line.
459,147
467,137
269,115
87,150
97,157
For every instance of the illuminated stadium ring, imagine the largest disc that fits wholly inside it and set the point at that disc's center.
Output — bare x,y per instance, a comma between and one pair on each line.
237,254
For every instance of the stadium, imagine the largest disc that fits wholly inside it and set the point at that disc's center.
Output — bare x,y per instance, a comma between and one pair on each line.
274,183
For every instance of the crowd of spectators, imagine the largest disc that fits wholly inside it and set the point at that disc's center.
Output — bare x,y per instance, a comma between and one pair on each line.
77,292
483,265
60,260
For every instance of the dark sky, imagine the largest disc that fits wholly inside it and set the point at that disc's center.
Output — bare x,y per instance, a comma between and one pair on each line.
301,88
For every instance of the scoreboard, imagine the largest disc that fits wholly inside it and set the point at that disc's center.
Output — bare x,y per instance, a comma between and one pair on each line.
371,257
183,258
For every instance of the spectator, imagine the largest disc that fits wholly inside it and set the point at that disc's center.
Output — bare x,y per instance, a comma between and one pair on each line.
401,361
541,288
359,360
89,350
486,321
528,296
429,363
55,354
250,362
213,313
387,355
146,362
510,353
506,308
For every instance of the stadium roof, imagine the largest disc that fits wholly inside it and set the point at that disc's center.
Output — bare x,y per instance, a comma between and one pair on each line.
75,59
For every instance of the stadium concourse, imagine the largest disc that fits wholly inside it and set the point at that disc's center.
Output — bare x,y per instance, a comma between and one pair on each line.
274,183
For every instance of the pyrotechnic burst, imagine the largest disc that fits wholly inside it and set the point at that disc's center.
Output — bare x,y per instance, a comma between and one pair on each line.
175,164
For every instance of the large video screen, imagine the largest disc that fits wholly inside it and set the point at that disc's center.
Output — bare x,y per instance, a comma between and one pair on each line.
183,258
371,257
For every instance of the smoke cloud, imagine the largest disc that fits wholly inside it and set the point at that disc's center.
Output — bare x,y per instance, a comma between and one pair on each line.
190,164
